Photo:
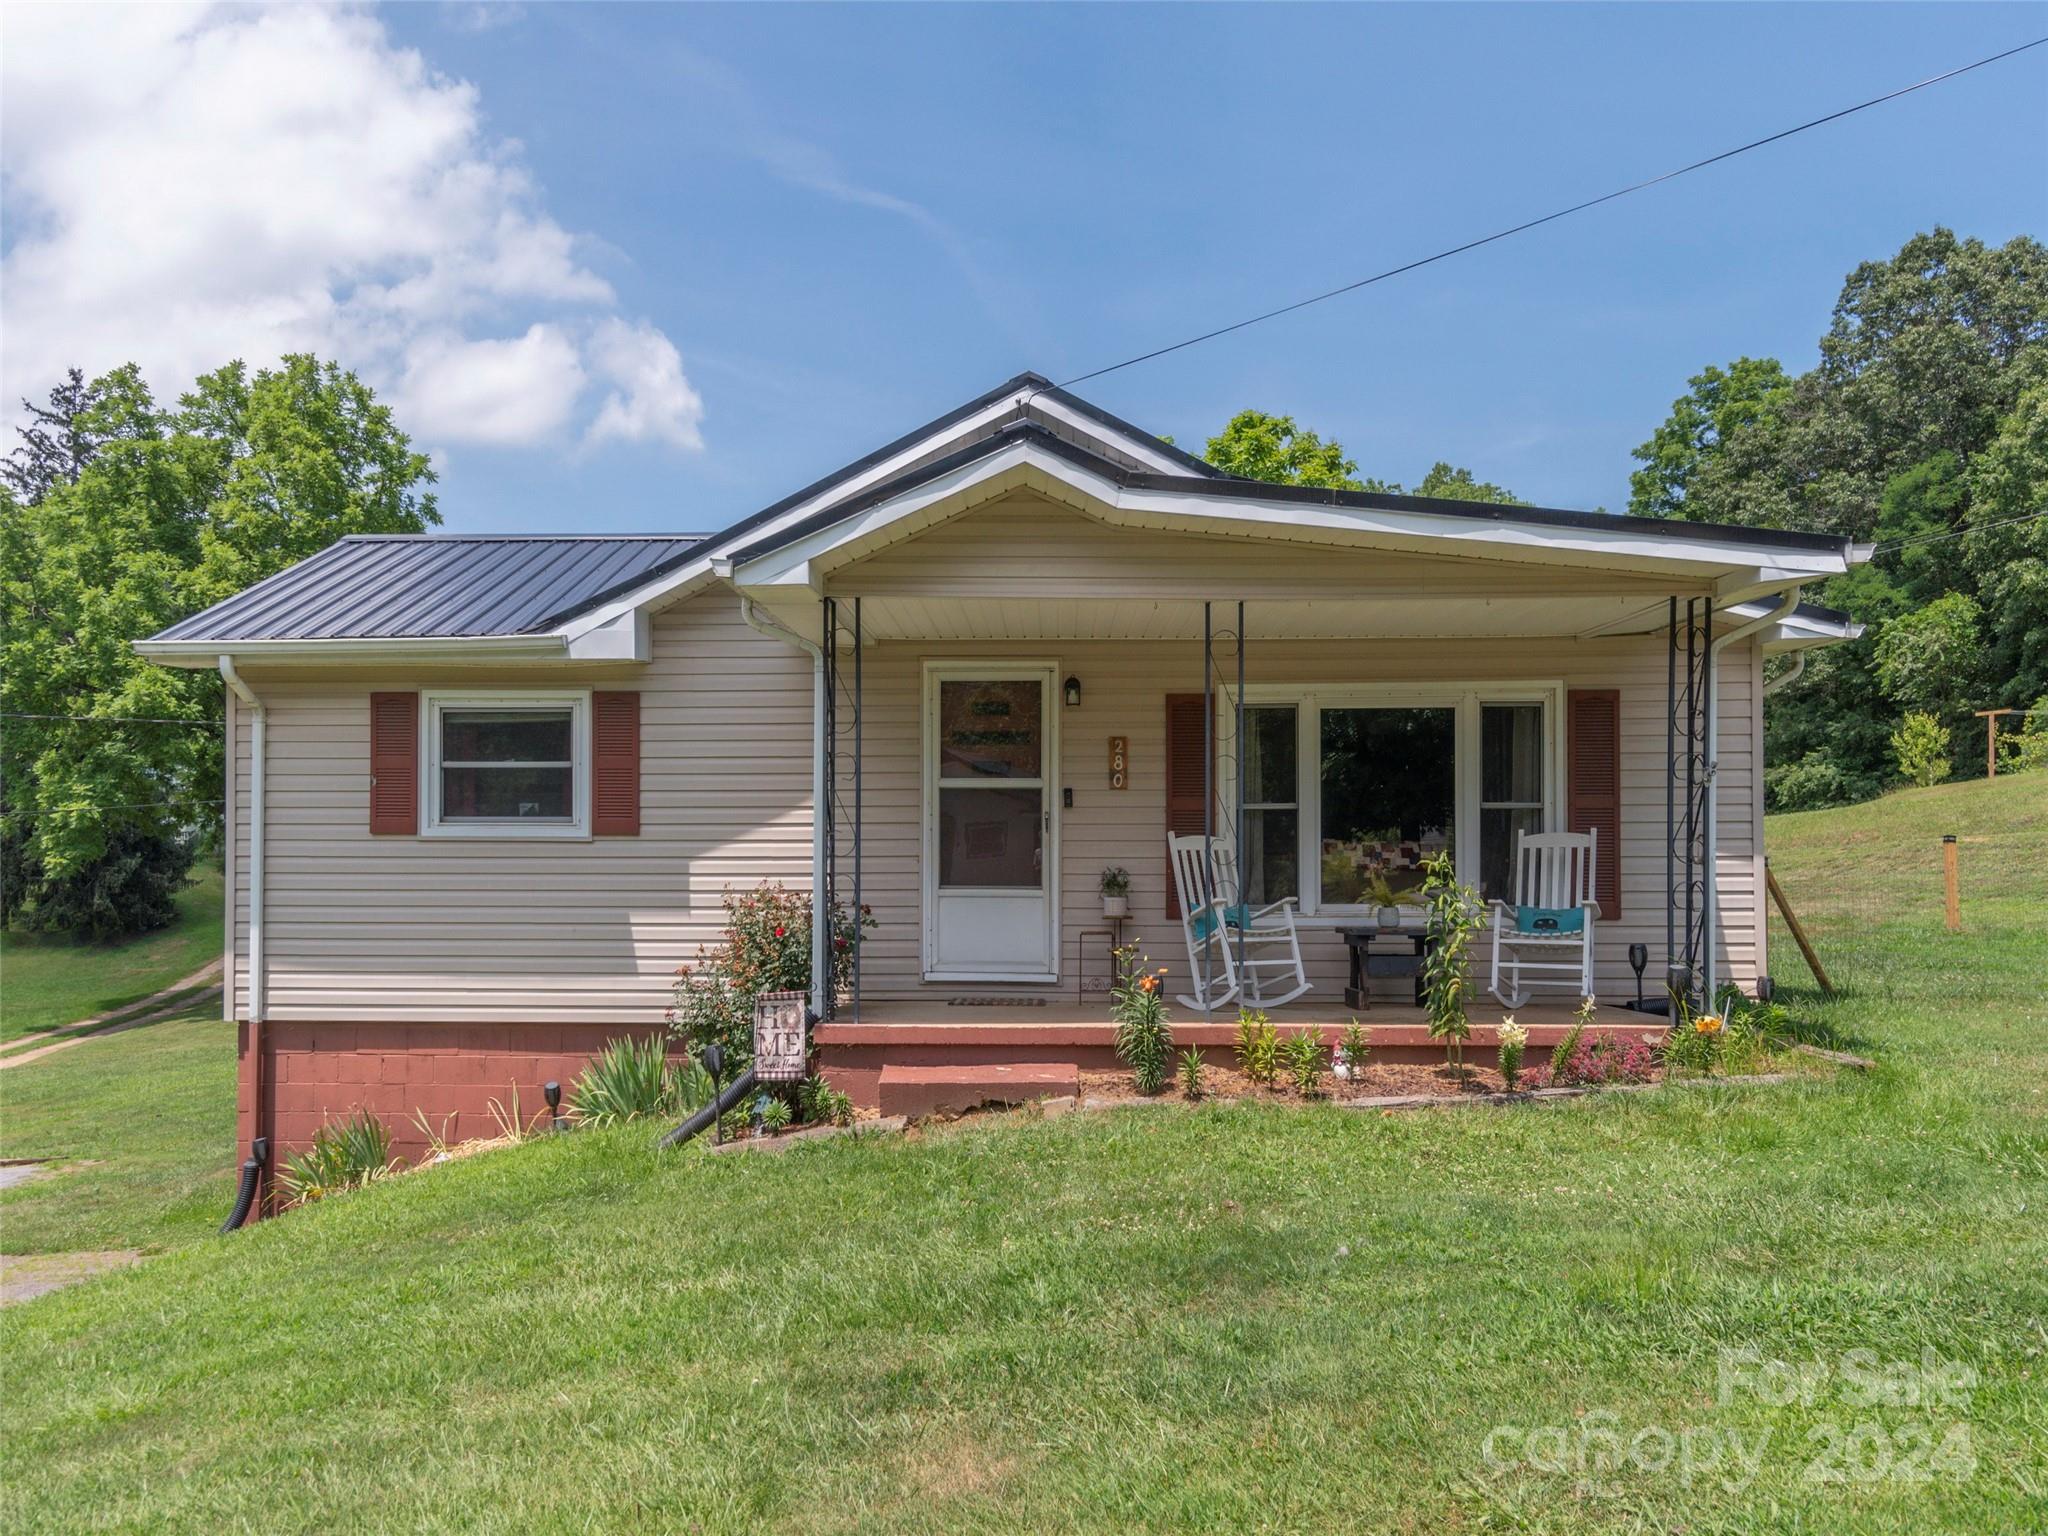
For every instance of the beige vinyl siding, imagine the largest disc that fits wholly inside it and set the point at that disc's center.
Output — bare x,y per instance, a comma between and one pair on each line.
1024,545
366,928
1124,687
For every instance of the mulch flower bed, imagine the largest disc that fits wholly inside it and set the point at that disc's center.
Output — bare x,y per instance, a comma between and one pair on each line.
1222,1080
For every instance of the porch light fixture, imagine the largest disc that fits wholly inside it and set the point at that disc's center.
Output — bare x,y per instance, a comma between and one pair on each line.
1073,692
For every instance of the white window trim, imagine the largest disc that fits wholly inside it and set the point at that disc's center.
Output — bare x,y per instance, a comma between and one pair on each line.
1466,698
434,702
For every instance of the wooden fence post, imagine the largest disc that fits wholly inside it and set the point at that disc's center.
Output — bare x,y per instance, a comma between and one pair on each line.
1948,873
1777,891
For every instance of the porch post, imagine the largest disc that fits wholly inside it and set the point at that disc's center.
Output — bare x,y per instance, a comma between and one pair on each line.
1670,798
824,768
1204,895
1237,818
859,708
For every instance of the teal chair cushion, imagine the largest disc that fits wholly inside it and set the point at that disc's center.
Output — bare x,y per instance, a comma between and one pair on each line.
1550,920
1205,920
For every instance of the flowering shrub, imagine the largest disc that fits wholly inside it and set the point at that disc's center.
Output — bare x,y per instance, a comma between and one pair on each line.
1598,1057
767,948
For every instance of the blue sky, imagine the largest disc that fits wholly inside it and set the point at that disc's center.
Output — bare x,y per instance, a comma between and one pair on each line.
843,221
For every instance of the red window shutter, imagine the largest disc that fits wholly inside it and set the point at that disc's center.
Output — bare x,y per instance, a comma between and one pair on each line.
1593,784
395,764
1185,749
615,765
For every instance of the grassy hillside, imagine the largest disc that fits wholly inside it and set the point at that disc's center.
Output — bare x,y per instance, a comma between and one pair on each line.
1158,1319
150,1113
48,981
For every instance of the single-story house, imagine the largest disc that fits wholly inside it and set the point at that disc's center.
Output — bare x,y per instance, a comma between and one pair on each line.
485,793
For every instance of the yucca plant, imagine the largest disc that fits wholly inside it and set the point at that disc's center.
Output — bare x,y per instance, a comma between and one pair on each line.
625,1080
343,1156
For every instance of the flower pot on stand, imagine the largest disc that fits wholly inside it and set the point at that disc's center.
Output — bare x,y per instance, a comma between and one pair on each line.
1390,918
1116,908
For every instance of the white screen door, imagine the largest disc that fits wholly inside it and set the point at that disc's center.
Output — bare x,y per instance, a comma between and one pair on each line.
991,823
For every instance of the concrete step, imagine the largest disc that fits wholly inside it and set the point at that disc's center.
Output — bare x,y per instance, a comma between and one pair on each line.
917,1091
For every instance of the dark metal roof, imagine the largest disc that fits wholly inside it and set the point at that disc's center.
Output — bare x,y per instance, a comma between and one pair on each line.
1677,531
399,586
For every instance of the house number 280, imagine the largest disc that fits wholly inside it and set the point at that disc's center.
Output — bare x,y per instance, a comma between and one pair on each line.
1119,763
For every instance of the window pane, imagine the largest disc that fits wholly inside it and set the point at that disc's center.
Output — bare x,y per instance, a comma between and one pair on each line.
1511,752
990,730
505,735
1269,754
990,837
1272,855
493,794
1389,787
1497,829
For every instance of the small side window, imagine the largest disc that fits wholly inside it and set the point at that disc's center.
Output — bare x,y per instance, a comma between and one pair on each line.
507,766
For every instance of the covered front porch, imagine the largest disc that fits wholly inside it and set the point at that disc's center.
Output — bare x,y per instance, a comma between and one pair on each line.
1035,667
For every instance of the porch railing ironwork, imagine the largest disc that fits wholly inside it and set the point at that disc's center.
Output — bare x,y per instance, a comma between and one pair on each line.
1688,678
841,809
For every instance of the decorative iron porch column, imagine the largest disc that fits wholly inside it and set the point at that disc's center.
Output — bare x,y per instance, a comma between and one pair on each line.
1685,790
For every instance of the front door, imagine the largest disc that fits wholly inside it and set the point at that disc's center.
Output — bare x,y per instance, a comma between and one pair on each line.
991,821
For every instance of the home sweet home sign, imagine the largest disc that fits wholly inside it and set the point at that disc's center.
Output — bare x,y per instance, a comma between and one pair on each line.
781,1047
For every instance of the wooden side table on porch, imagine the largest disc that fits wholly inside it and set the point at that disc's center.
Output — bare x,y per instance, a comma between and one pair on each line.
1365,964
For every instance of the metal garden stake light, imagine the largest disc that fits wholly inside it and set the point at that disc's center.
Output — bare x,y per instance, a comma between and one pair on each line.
552,1092
714,1064
1638,958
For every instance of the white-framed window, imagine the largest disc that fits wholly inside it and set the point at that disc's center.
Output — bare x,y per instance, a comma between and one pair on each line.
505,764
1349,786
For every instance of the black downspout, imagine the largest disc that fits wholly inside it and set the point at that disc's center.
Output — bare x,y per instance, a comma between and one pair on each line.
252,1178
711,1113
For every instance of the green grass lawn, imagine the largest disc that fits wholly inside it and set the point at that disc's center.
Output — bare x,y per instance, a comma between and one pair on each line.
149,1112
48,981
1229,1319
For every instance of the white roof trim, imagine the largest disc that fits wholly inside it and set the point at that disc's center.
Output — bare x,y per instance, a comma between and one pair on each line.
1737,568
683,579
492,648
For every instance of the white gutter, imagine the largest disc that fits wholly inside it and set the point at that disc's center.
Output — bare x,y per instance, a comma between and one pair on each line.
257,737
821,919
1789,675
1710,891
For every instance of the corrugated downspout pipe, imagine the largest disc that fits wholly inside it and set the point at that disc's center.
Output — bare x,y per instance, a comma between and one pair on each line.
1711,885
821,927
252,1179
258,735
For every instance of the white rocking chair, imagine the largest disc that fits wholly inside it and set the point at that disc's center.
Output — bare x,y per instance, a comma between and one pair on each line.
1233,952
1553,870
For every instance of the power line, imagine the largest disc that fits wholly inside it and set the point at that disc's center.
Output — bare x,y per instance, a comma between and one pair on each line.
1955,533
210,725
1548,218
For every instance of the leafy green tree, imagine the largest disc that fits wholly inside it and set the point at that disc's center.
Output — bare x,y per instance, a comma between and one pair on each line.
1924,414
1932,659
1462,485
110,767
1920,745
2009,559
1717,405
1258,445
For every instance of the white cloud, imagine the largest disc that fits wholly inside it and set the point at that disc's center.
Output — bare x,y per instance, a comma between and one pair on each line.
185,185
653,401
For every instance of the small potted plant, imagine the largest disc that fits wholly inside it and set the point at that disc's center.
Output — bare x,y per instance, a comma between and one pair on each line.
1116,892
1380,891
